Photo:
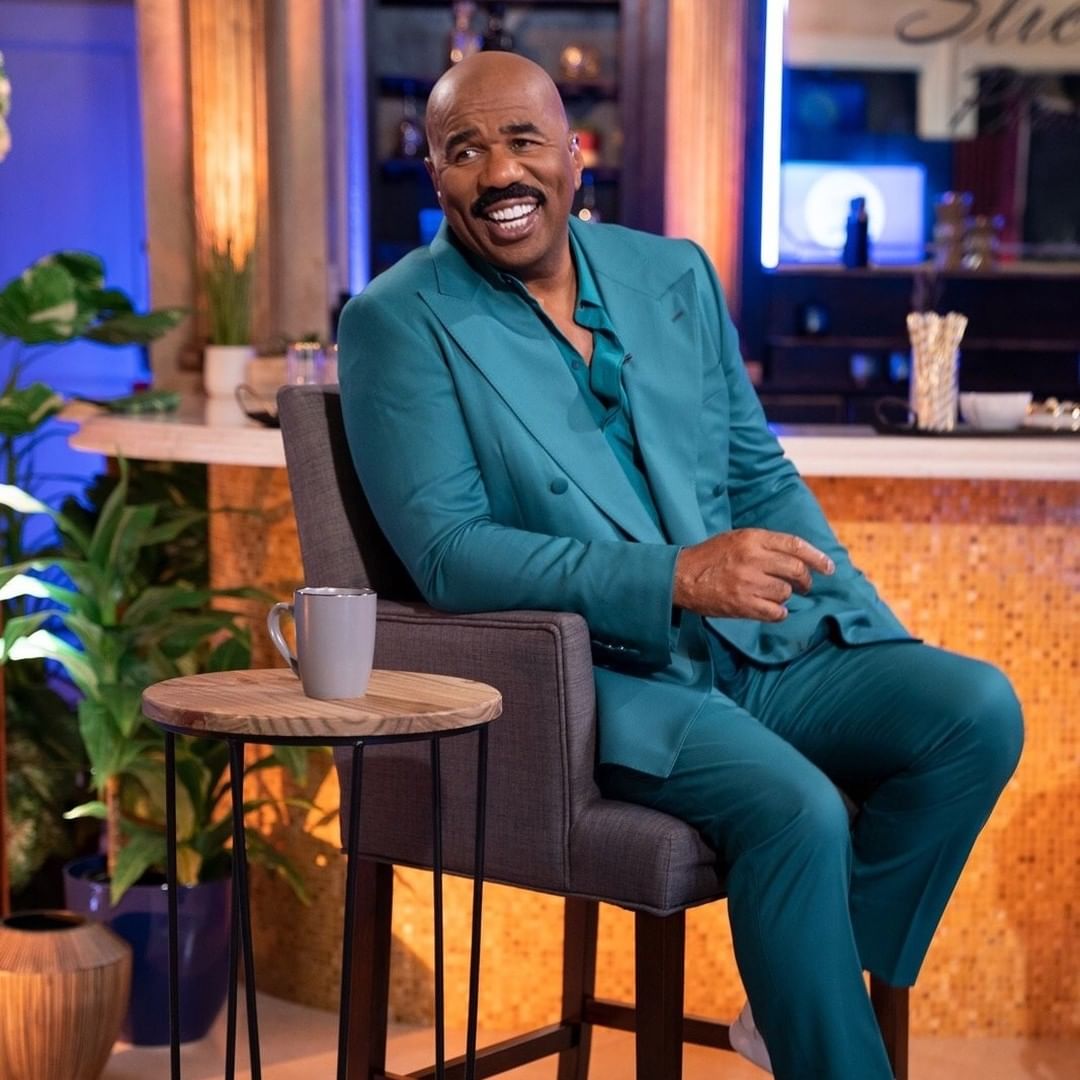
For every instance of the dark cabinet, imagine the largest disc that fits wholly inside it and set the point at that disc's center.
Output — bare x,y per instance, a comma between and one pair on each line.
607,58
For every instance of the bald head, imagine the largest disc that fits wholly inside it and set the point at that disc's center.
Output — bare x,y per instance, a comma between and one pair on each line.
504,164
493,77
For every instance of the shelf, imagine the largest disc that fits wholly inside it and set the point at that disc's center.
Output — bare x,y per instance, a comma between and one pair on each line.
408,85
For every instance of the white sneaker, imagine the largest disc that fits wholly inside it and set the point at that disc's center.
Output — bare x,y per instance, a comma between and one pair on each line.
746,1040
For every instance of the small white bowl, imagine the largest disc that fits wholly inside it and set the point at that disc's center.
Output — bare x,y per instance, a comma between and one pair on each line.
995,412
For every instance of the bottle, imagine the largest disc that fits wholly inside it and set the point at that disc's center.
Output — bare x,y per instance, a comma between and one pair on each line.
857,244
410,140
496,37
464,41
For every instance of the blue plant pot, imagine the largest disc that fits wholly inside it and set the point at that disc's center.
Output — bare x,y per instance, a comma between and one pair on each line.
142,919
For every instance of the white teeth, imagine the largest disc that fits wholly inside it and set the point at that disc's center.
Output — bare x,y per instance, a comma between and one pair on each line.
512,213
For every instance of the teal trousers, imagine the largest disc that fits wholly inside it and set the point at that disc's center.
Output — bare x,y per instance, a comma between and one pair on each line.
923,740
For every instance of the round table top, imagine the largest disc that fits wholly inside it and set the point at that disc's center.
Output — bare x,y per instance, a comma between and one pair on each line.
269,705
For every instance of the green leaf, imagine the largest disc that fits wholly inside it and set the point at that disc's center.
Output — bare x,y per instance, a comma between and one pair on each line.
22,502
124,704
142,851
233,654
85,269
177,524
157,600
43,645
109,519
89,582
145,401
127,328
41,305
260,851
93,809
18,584
26,409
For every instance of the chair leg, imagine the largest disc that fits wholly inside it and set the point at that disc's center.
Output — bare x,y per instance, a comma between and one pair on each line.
370,993
580,921
891,1008
659,950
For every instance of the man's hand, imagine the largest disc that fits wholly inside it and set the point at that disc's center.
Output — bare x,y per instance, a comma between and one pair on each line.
746,574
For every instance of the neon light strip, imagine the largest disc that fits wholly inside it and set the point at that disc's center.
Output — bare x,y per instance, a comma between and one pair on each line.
772,126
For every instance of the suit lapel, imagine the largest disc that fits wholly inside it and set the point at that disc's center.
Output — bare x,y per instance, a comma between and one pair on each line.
518,358
663,383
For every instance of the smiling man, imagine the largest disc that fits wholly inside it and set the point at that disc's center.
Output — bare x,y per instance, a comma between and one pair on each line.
551,415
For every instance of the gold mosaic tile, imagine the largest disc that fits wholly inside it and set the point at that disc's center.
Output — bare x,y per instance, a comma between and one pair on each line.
984,567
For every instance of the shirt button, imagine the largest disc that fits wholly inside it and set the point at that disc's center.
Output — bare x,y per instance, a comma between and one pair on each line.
558,485
578,365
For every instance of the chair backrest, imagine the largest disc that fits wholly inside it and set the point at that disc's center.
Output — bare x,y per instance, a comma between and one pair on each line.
340,541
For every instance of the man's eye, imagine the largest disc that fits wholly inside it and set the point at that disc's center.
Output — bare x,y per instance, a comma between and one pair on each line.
467,153
523,144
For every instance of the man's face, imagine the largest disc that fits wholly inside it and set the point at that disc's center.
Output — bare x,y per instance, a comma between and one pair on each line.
505,170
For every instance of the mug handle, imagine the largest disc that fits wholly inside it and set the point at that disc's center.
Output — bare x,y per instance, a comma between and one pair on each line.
273,624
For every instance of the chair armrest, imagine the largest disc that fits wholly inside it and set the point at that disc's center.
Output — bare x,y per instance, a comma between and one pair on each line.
541,750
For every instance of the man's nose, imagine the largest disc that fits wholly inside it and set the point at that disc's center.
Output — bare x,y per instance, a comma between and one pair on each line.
501,168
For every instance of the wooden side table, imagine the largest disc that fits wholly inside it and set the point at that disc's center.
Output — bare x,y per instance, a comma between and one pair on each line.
269,706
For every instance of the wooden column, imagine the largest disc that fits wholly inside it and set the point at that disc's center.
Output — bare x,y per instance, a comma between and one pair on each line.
230,157
707,96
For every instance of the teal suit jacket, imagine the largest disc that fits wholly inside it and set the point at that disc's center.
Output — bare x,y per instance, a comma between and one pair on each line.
496,488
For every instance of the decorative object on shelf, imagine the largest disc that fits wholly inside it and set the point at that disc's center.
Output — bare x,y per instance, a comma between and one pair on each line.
935,344
857,238
588,210
305,363
226,279
411,143
588,144
64,984
995,411
813,319
579,63
981,241
464,41
496,37
951,214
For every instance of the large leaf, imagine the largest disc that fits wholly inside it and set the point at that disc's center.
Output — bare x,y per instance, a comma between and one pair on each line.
142,851
101,737
43,645
86,270
125,706
128,328
41,305
22,502
261,851
151,777
25,410
89,581
14,585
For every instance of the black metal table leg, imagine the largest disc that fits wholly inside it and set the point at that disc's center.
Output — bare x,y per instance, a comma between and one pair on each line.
477,904
351,847
436,866
171,877
236,777
234,977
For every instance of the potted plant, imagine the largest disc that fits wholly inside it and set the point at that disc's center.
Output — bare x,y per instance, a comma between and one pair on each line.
114,633
226,278
59,299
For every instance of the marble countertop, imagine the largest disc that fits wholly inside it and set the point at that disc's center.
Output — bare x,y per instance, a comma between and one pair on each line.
217,433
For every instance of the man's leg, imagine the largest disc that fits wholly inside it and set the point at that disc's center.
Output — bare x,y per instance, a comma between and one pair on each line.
926,740
782,832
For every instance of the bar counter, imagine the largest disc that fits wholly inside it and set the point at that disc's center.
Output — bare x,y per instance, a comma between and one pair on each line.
973,542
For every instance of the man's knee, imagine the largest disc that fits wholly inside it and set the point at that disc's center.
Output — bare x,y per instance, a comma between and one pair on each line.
807,812
992,731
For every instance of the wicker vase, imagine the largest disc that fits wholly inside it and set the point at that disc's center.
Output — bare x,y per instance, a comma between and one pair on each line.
64,986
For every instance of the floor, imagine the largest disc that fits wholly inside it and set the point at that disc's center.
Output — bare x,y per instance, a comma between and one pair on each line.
300,1044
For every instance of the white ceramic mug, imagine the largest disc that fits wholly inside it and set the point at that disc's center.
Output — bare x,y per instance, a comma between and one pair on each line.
335,640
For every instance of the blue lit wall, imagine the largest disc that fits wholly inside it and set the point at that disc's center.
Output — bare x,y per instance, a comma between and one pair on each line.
74,179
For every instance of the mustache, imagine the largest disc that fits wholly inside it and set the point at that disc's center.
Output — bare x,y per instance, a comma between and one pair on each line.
494,195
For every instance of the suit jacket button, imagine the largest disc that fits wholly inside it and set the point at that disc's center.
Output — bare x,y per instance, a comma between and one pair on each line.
558,485
718,490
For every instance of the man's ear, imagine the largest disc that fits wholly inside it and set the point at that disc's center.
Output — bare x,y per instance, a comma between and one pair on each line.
579,163
430,166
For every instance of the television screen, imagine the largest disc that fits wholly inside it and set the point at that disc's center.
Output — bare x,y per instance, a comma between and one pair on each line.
815,199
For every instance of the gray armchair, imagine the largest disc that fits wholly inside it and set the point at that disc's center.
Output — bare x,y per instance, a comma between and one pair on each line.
548,827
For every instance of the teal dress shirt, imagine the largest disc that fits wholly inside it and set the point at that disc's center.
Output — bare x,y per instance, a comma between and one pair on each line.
600,381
